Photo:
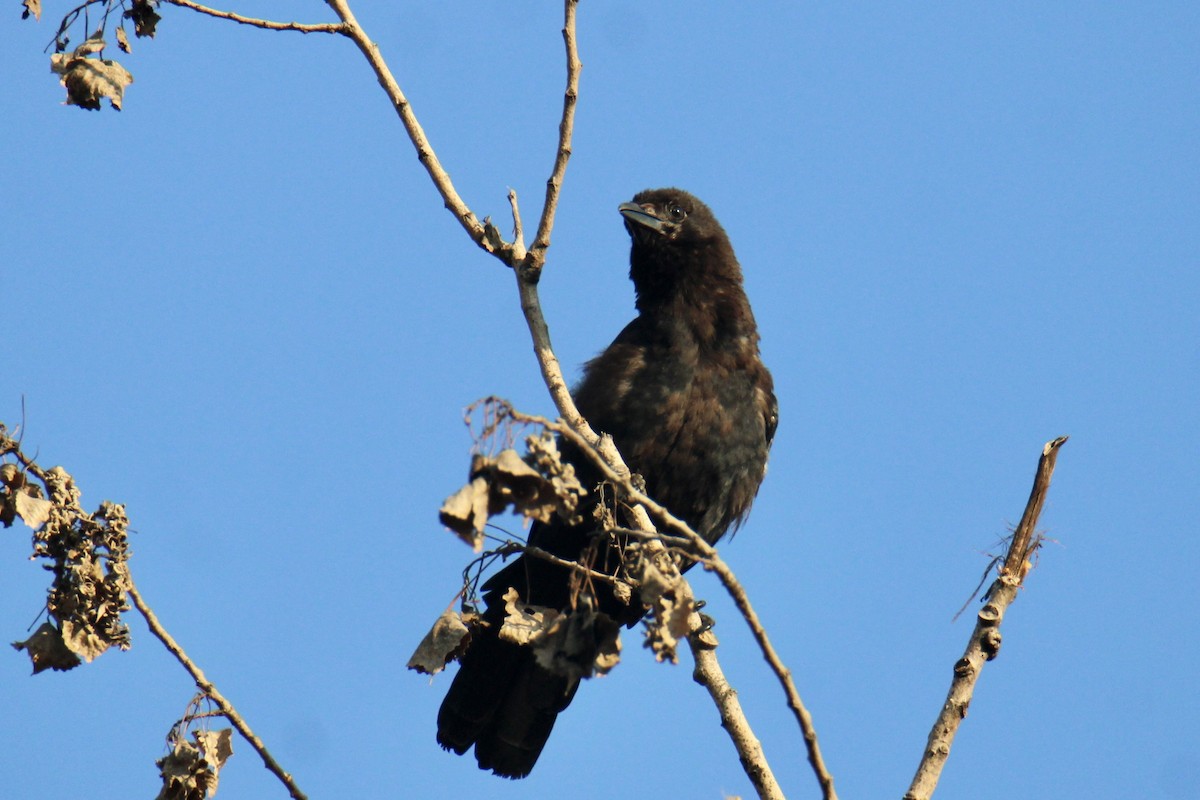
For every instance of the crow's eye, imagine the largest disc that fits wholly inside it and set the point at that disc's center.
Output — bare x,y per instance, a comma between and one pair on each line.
675,212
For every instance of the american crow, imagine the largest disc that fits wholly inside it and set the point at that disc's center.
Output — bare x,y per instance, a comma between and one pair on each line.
691,407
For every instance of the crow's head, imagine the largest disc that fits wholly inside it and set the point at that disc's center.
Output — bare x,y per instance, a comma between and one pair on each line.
679,248
664,217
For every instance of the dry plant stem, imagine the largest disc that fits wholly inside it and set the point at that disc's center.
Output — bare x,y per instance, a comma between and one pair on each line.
518,226
441,180
708,556
1021,548
350,28
326,27
574,566
206,686
985,639
566,130
708,674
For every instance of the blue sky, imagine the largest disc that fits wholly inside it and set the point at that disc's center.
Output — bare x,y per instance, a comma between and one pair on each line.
238,307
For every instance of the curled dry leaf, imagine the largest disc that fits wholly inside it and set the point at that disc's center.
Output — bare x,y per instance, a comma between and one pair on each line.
145,18
47,650
579,643
21,498
576,643
33,7
623,592
537,486
673,613
88,555
191,770
466,512
566,489
523,622
88,80
448,639
34,510
123,41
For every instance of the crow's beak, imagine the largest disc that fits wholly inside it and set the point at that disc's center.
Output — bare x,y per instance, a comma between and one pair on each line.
634,213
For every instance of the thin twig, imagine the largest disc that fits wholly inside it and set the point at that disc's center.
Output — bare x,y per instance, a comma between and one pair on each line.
566,129
574,566
426,155
673,541
1016,565
518,226
984,643
206,686
271,25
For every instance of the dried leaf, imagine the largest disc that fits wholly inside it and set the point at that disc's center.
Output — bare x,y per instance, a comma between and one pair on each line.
83,640
144,17
123,41
217,747
623,592
448,639
190,771
33,7
575,644
523,622
87,80
566,488
660,584
466,512
537,486
91,45
47,650
33,510
579,643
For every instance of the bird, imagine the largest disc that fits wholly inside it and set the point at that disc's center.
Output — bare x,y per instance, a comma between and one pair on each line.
691,407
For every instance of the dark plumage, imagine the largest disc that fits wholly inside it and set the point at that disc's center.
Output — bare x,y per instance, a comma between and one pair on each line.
692,409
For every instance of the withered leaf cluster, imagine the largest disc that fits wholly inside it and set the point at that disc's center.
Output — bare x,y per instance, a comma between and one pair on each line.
539,486
86,553
578,643
88,80
191,770
673,613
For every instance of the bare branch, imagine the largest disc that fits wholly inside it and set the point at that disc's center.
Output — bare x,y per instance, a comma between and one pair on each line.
206,686
984,643
708,673
1016,563
416,133
566,129
323,27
